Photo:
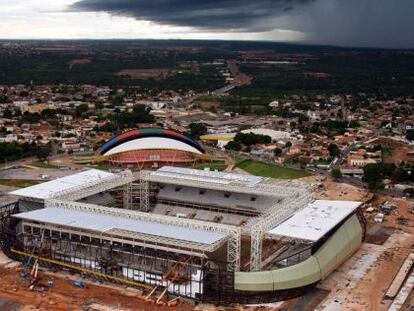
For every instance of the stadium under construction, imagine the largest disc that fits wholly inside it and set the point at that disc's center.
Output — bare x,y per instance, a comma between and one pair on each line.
209,236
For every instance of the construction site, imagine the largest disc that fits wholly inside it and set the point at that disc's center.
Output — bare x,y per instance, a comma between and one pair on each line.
208,236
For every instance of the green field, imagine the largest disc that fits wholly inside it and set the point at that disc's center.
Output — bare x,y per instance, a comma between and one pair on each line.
271,170
42,164
19,183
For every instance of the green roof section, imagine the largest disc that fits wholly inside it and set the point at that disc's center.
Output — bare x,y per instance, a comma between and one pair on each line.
150,130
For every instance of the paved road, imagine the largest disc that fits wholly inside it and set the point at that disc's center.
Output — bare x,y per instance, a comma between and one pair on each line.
353,181
17,163
34,174
357,182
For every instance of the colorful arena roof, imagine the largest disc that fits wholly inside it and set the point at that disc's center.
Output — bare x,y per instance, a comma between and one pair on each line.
150,138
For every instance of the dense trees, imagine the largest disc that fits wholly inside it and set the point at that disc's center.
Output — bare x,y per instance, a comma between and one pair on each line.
7,113
373,72
277,152
28,117
336,174
99,105
81,109
334,150
233,145
244,141
374,174
197,130
4,99
43,152
410,135
14,151
51,113
400,175
353,124
249,139
139,114
105,60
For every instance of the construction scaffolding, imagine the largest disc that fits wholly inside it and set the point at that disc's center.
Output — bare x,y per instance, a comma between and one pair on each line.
232,233
274,217
121,262
288,200
199,182
95,186
144,195
127,196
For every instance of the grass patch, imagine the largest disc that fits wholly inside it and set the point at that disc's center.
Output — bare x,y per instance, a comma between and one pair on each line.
322,162
42,164
207,98
271,170
238,159
19,183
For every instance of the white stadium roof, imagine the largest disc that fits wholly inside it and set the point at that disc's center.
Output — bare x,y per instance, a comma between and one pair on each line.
105,223
152,143
315,220
207,176
49,189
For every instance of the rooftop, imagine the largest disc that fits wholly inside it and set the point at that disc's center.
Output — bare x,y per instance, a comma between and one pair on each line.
49,189
208,176
111,224
315,220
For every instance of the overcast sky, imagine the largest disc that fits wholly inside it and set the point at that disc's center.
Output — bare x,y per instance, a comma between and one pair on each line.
372,23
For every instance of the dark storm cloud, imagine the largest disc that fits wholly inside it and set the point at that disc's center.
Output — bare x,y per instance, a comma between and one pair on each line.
376,23
369,23
236,15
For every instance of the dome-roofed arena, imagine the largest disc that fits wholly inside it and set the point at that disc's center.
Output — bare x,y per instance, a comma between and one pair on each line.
151,148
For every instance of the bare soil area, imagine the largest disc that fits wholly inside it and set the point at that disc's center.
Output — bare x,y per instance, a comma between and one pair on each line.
331,190
80,61
155,73
63,295
362,281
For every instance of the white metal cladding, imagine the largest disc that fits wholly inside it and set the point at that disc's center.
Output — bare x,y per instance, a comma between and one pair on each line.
315,220
51,188
152,143
212,176
104,223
